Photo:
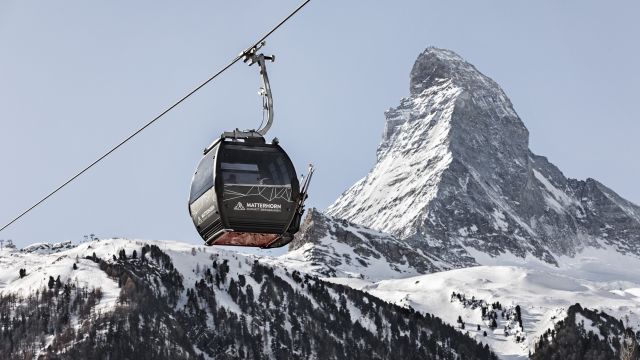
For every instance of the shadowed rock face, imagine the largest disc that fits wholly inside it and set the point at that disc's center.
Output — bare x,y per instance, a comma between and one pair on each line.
336,247
454,171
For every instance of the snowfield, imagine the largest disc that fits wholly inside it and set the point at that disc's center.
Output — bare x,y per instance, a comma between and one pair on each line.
43,261
597,279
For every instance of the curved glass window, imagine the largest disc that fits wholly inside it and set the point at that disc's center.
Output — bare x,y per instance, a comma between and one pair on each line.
254,166
203,178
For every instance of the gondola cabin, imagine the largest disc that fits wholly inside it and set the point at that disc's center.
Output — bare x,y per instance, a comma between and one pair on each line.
245,193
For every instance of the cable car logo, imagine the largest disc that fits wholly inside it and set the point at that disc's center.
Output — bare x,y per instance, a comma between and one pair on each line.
239,207
264,206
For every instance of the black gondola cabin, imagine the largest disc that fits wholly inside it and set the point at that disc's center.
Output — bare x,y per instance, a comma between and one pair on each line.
245,193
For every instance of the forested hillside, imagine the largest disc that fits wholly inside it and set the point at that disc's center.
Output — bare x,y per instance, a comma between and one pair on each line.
588,334
233,307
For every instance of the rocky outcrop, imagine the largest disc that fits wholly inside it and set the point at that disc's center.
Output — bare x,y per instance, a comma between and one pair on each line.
337,248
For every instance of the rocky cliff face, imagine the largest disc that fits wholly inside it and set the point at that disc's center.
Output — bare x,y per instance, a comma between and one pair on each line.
337,248
455,172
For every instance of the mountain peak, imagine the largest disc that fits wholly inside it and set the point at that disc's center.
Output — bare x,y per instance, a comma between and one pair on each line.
435,65
455,172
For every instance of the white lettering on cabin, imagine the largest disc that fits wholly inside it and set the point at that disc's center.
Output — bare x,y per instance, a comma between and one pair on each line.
264,206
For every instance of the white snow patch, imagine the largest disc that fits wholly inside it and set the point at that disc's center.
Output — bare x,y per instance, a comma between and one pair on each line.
498,220
557,199
588,325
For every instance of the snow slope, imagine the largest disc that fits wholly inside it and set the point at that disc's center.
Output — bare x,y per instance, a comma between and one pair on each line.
596,278
599,277
43,260
213,302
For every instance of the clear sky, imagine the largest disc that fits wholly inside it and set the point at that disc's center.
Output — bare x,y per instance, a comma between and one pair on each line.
76,77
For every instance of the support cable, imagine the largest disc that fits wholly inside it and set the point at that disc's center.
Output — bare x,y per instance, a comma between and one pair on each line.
225,68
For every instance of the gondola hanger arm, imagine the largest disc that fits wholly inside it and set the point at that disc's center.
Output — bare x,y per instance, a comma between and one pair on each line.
250,57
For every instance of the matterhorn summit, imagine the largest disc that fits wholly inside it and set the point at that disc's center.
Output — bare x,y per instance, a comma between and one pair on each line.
455,177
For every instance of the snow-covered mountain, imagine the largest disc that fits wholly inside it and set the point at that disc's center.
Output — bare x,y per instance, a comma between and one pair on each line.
460,243
134,299
454,172
458,215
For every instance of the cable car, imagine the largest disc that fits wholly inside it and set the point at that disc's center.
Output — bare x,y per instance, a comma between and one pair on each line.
245,191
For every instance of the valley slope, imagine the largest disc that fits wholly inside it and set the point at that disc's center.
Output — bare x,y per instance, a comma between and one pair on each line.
124,299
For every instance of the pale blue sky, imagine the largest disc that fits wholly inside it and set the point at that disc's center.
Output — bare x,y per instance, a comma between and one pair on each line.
76,77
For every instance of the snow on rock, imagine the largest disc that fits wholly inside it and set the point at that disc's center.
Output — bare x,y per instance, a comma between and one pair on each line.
337,248
47,248
588,325
455,156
